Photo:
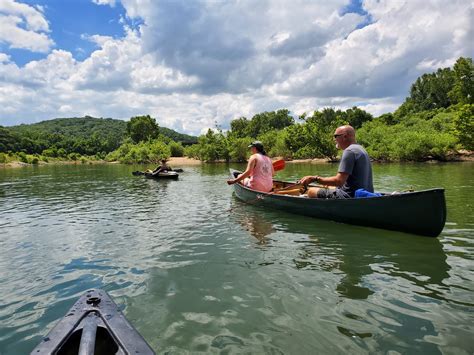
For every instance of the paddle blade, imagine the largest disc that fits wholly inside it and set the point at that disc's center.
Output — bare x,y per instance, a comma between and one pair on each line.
278,165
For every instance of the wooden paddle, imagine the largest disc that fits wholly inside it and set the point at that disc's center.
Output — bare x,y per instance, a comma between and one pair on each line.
278,165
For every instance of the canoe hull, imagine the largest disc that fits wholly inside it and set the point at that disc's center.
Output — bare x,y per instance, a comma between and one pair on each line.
421,212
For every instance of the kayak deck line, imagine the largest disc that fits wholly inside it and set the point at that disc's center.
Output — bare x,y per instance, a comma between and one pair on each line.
93,325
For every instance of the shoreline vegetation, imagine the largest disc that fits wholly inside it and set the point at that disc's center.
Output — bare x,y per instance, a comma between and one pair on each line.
434,123
178,162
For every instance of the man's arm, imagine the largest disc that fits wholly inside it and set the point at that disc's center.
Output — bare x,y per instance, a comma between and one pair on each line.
337,180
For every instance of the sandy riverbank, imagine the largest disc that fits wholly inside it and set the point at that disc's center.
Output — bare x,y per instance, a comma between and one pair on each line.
182,161
174,162
177,162
308,161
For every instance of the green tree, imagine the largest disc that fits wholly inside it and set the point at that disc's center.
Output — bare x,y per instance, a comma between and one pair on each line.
239,127
430,91
239,150
213,146
464,124
278,148
441,89
7,140
142,128
320,129
356,117
463,88
267,121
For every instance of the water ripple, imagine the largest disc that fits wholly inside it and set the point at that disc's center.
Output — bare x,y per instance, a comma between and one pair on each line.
195,270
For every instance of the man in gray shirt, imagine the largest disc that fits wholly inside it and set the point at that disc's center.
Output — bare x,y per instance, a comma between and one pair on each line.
355,169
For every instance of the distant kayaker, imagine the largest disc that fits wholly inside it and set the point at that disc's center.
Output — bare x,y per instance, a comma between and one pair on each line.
259,173
162,168
355,169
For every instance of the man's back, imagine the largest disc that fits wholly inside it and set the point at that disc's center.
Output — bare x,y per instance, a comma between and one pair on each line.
356,162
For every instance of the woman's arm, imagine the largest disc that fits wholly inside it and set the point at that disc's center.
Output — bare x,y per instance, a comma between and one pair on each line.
246,173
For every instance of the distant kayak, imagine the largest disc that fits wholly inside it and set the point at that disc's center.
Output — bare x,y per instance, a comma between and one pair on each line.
164,175
94,325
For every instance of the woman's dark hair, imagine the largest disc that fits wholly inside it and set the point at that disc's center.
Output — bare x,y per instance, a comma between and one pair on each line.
259,146
261,150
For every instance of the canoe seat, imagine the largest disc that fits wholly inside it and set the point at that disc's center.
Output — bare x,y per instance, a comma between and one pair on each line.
289,189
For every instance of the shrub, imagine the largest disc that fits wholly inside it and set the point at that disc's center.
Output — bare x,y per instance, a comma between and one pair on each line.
307,152
192,151
23,158
239,150
176,149
61,153
50,152
156,150
73,156
464,123
279,148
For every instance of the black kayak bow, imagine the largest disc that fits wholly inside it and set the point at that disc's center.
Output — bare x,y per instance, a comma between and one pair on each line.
94,325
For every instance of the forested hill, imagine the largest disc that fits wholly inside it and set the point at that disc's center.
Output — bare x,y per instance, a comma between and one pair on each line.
74,128
87,126
84,135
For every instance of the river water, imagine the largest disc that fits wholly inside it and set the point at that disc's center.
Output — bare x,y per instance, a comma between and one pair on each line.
196,270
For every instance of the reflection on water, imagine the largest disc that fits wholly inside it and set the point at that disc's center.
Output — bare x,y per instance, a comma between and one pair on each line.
253,223
352,251
369,264
196,270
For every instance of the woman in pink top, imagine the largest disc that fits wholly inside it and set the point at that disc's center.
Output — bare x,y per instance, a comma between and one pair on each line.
259,173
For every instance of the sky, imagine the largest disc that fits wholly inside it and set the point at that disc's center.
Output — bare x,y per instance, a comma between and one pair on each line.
194,64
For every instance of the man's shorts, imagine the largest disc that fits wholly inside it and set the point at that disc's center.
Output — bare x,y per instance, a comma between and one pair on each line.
332,193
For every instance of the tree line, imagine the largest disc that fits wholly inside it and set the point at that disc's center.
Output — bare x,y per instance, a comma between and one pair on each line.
434,122
83,138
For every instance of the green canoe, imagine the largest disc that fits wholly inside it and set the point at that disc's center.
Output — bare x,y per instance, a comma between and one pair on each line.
419,212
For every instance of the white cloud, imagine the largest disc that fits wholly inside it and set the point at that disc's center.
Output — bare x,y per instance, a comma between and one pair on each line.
191,64
24,26
4,58
121,65
104,2
97,39
382,59
239,46
33,16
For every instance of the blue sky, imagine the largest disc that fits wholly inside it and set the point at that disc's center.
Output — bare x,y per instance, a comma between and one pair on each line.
70,21
191,63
